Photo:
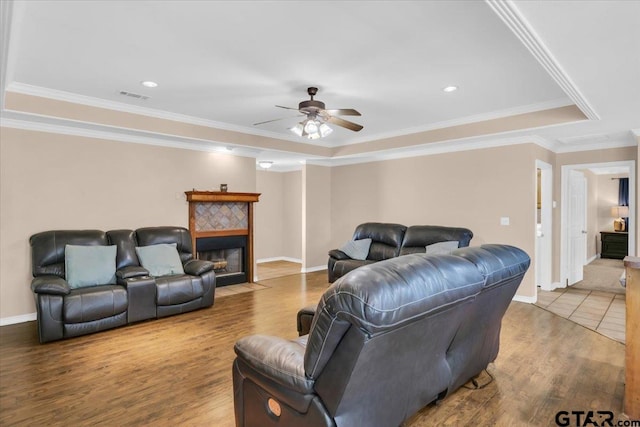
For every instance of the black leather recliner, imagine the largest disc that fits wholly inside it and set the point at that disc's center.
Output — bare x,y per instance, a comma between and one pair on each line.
387,339
392,240
64,312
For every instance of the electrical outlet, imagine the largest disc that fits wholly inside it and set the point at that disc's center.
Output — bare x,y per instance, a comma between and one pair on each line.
504,220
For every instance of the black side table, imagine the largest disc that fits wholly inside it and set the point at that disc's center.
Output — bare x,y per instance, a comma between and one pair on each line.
614,244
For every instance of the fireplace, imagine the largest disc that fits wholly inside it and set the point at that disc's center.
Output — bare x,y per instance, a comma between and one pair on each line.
221,227
229,255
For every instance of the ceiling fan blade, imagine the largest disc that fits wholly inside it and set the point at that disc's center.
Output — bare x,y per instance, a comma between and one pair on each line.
345,123
274,120
343,112
287,108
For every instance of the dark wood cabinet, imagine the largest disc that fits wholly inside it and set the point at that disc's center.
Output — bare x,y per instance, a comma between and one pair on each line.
614,244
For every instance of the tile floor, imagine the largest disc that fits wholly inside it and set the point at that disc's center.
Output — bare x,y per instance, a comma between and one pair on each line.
602,312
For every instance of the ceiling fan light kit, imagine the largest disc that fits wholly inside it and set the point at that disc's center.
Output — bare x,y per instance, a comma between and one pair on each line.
315,125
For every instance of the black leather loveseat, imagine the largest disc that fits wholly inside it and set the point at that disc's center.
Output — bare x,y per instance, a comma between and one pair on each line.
392,240
132,295
387,339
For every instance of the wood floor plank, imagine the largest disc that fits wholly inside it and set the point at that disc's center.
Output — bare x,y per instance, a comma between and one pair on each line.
177,370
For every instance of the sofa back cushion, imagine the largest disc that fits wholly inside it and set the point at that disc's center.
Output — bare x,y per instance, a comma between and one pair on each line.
180,236
418,237
385,239
125,241
384,296
47,248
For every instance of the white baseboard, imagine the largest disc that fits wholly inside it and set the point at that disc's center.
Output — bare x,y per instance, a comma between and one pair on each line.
18,319
552,286
593,258
279,258
312,269
528,300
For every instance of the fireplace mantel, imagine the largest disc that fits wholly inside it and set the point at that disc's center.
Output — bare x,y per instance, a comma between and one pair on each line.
220,196
222,214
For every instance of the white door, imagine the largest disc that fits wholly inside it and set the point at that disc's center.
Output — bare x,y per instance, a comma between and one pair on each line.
577,225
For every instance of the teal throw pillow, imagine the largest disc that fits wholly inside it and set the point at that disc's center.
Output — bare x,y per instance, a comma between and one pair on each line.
161,259
89,265
357,249
442,248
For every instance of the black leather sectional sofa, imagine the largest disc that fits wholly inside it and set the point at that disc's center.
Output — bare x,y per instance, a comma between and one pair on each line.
386,339
64,311
392,240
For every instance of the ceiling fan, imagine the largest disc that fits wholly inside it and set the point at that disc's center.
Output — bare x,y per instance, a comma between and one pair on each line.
317,116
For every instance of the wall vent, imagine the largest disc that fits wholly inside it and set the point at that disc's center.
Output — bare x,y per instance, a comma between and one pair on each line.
133,95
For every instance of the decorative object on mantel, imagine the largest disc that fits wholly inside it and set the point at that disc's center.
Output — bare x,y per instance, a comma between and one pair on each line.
619,213
223,188
221,227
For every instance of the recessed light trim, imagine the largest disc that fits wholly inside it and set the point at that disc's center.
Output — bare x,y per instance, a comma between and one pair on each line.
451,88
149,83
265,164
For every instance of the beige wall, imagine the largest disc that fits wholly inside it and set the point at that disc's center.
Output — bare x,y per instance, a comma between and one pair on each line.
292,215
316,216
51,181
269,211
470,189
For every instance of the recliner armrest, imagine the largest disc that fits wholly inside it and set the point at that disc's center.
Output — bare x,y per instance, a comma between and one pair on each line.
338,254
305,318
131,271
196,267
52,285
276,358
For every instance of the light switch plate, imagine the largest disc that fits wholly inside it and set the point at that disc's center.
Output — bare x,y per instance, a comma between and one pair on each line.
504,220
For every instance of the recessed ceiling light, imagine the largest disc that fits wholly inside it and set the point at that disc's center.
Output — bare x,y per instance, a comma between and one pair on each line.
149,83
265,164
450,88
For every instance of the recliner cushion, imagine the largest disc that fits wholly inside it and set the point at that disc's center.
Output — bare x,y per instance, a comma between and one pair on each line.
172,290
94,303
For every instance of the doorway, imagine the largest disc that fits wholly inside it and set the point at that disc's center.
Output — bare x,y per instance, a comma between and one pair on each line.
572,256
544,201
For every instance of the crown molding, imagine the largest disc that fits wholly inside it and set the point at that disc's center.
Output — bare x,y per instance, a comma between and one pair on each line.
171,142
59,95
524,109
513,18
594,146
6,71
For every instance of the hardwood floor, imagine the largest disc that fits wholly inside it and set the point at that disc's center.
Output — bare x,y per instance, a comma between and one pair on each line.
177,370
274,269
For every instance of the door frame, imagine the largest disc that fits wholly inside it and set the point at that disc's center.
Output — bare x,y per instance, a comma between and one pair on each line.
564,217
544,249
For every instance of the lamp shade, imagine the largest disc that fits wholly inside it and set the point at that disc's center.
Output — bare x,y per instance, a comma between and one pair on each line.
620,211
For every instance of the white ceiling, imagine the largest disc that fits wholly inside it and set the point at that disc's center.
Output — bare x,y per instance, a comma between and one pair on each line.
228,63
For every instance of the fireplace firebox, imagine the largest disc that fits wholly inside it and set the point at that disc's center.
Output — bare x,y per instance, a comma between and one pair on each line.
229,255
